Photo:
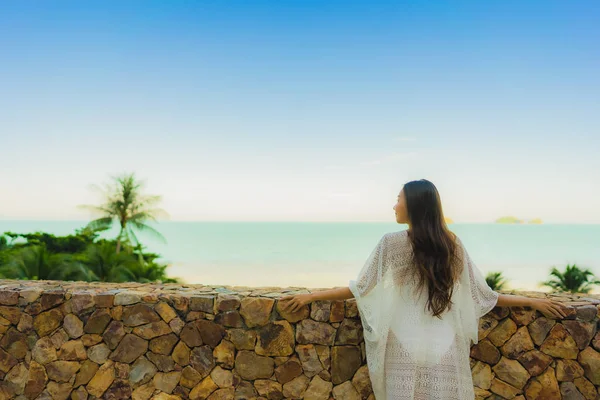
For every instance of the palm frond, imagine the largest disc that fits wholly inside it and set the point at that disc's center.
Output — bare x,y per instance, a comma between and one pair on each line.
573,279
100,224
148,229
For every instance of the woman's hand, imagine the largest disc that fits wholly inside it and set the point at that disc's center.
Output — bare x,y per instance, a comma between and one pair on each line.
549,308
296,302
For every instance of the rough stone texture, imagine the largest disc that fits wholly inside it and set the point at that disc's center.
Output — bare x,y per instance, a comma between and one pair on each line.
166,381
119,389
152,330
86,373
73,326
311,332
72,350
256,310
224,354
485,351
581,331
130,348
560,344
590,361
102,380
242,339
288,370
113,334
165,312
345,361
97,321
181,354
362,382
544,386
61,340
568,370
62,371
251,366
535,362
44,351
296,388
349,332
142,371
569,391
586,388
486,325
539,329
202,360
512,372
139,314
36,381
345,391
269,389
276,339
162,362
47,322
503,389
519,344
203,389
482,375
163,344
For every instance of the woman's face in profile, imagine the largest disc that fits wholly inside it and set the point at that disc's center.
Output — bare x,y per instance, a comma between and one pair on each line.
400,209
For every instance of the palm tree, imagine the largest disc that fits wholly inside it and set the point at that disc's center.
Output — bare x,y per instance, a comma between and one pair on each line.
106,265
125,204
36,262
574,280
496,280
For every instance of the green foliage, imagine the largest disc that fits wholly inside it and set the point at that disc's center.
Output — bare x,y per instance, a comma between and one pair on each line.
125,204
36,262
496,280
573,279
106,265
81,256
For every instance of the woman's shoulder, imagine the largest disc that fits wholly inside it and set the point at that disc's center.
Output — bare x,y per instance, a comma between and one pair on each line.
396,236
397,240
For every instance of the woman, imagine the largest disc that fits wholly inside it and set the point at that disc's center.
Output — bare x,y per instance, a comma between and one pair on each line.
420,298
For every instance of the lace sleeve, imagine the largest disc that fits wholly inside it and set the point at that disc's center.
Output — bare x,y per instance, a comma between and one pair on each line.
484,298
371,273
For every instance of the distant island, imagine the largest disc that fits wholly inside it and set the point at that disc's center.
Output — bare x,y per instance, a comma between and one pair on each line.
509,220
448,220
515,220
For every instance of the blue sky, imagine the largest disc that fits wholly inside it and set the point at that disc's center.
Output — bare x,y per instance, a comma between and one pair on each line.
303,110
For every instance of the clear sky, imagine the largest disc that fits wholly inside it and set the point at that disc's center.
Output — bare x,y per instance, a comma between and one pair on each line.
302,110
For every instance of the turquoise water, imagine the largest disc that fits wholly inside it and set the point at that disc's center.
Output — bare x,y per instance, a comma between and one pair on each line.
329,254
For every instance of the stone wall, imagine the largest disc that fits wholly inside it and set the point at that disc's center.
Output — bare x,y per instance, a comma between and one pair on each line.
62,340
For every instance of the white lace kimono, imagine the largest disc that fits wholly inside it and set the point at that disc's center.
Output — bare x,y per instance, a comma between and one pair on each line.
412,355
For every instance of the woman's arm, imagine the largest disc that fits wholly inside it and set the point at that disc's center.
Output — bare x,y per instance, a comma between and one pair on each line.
295,303
545,306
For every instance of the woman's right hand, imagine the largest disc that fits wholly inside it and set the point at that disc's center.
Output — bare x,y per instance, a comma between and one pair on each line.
296,302
549,308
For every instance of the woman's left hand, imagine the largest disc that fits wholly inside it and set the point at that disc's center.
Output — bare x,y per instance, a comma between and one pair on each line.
296,302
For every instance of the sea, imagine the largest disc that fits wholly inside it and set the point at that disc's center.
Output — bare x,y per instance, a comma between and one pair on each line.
320,255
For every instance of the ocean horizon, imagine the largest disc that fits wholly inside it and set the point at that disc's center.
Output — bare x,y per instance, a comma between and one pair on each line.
327,254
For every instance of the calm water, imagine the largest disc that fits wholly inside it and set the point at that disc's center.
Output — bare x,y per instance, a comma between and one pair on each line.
329,254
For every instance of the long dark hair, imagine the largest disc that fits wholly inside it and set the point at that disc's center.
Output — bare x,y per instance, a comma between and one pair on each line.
434,246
